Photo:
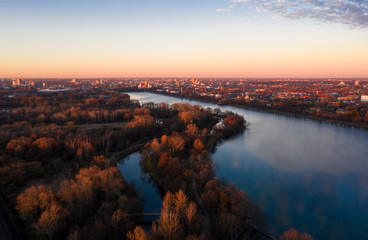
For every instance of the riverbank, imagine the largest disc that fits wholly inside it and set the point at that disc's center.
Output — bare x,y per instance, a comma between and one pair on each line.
266,110
117,156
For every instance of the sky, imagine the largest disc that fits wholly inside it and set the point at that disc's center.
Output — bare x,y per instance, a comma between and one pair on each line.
184,38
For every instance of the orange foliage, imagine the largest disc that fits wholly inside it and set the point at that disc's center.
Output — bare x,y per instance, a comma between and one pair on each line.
141,121
19,145
192,130
88,181
164,160
189,116
34,200
138,234
176,143
293,234
198,145
177,217
100,161
51,220
142,111
44,144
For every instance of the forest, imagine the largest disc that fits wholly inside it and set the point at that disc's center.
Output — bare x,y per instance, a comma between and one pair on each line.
59,179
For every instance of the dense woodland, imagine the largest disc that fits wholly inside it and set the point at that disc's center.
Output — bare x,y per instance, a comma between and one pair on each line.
182,162
58,178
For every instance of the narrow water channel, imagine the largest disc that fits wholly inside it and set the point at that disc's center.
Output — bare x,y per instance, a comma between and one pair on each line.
131,170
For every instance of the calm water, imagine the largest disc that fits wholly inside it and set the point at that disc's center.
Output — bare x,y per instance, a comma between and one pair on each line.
146,191
303,174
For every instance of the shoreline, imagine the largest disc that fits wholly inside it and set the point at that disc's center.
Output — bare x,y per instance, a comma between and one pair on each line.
272,111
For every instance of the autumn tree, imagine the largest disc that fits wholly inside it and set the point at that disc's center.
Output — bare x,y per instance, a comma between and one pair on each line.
141,121
192,130
189,116
51,220
138,234
111,181
100,161
176,143
33,201
181,106
142,111
293,234
176,221
44,145
81,188
234,121
19,146
198,145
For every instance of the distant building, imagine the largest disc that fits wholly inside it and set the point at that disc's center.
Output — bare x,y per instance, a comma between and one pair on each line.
364,98
17,82
357,82
99,81
144,84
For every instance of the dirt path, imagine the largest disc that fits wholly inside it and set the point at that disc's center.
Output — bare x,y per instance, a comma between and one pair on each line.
114,159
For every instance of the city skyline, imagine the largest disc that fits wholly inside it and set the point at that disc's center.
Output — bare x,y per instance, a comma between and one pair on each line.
221,38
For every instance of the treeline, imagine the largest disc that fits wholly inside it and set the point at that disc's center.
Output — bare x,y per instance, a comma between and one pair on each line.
353,115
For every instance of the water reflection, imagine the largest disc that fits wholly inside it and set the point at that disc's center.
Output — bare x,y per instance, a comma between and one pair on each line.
304,174
298,145
291,144
131,170
313,202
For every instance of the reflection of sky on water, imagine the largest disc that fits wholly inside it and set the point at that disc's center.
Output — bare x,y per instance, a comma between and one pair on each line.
313,202
292,144
131,171
304,174
298,145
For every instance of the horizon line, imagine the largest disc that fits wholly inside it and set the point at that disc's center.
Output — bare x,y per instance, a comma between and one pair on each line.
332,78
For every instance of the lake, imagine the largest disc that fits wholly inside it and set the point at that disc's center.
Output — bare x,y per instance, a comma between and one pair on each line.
304,174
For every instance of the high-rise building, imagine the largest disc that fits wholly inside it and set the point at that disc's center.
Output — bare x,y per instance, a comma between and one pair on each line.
17,81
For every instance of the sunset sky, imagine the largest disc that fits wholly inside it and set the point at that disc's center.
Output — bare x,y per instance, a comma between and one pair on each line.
191,38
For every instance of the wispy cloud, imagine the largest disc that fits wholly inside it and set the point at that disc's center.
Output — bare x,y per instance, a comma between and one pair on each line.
353,13
223,10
